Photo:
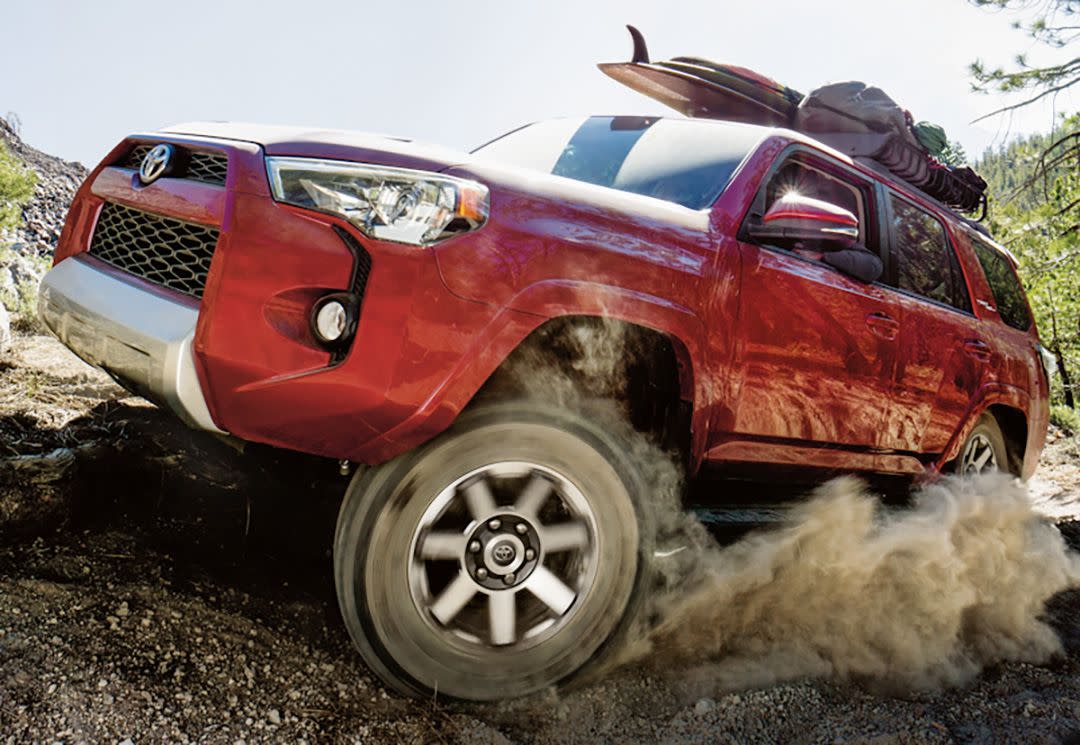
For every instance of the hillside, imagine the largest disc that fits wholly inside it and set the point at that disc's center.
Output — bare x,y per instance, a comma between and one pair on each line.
43,216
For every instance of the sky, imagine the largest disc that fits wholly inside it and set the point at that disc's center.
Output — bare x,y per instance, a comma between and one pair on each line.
81,75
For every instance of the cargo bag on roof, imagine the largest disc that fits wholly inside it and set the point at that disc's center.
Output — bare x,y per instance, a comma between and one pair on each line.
860,121
864,122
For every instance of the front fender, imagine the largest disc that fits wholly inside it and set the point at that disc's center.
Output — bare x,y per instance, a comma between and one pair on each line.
523,314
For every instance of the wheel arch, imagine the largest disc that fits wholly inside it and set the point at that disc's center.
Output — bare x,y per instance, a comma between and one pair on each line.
535,312
1009,406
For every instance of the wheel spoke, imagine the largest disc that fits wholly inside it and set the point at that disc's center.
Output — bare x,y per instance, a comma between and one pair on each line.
456,595
550,590
987,453
502,617
564,537
534,495
443,545
479,499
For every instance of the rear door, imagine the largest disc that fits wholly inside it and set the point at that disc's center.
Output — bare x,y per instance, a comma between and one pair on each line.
943,357
817,349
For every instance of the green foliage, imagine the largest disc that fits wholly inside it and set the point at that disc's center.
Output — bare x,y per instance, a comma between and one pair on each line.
16,185
1055,23
954,155
1035,212
1065,418
1016,172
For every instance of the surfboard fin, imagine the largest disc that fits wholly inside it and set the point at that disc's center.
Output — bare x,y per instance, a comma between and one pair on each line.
641,52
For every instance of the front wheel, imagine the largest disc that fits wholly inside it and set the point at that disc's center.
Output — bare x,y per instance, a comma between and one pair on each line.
500,559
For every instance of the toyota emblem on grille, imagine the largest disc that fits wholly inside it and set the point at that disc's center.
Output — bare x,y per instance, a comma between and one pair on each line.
155,163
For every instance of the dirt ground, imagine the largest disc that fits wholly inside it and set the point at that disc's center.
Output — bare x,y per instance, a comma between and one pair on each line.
159,587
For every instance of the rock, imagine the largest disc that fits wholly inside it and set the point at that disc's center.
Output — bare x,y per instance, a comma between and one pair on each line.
274,716
704,706
5,330
43,215
35,491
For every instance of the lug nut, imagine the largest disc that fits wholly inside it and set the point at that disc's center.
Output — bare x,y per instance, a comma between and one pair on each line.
474,546
522,528
529,554
482,573
509,579
495,524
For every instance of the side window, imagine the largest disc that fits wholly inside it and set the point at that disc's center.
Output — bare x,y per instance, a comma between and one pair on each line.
924,260
811,181
1008,292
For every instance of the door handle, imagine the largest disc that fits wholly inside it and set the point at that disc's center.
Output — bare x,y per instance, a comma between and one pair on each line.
883,325
977,349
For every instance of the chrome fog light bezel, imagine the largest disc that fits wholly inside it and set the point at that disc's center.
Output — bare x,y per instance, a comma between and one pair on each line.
348,305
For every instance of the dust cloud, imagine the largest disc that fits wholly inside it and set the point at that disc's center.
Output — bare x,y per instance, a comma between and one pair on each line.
920,599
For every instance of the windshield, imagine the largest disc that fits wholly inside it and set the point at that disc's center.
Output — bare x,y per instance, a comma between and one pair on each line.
685,161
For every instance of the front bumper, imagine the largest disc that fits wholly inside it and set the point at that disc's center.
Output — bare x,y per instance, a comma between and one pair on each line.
142,339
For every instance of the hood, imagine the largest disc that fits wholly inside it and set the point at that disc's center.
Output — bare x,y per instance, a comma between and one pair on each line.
334,144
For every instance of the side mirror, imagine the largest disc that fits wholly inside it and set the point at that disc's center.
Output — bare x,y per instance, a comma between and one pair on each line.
819,226
795,217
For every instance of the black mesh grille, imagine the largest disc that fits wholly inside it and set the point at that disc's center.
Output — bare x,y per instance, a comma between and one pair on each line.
206,166
164,251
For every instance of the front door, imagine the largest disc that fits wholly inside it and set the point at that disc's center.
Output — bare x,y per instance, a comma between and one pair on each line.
817,349
817,353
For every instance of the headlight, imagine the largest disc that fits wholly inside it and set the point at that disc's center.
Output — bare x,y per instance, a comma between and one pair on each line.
392,204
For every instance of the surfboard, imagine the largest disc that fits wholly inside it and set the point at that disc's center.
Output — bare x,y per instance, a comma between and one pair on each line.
701,88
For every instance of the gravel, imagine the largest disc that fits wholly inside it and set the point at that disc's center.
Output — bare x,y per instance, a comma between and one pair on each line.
180,595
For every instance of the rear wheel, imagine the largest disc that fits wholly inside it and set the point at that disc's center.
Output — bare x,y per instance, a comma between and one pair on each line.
984,449
497,560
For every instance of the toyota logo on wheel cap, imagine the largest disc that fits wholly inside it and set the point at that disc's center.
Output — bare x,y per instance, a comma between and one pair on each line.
155,163
504,553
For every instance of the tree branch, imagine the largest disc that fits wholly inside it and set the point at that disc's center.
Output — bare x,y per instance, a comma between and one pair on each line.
1033,99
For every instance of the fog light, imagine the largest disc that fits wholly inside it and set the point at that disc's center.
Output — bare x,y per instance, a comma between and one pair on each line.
331,321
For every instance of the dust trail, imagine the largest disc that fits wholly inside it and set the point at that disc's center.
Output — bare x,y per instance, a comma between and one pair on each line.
922,599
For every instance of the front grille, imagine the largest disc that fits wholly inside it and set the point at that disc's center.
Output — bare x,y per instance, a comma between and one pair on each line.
161,250
207,166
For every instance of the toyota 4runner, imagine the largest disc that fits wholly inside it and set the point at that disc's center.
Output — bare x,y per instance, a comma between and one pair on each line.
365,299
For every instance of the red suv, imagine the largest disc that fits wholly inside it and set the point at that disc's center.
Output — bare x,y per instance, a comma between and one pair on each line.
395,305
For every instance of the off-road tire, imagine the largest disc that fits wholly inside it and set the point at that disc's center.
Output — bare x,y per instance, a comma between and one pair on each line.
376,541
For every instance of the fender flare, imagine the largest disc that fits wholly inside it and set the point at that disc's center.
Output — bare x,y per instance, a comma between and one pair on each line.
990,394
524,313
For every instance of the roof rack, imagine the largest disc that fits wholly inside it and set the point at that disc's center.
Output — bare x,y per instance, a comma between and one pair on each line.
972,223
703,89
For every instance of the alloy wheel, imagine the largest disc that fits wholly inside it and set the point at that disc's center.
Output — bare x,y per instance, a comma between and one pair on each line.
501,556
978,456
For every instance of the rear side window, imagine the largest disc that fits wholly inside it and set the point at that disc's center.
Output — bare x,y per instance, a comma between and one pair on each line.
1008,293
924,260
